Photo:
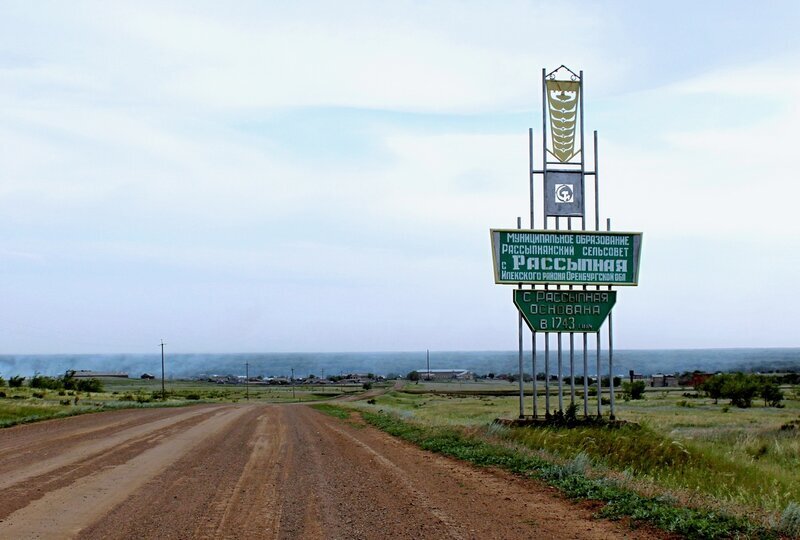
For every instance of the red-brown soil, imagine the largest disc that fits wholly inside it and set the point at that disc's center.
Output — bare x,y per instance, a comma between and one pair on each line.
260,471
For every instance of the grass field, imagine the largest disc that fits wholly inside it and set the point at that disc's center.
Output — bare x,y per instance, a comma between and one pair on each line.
24,404
742,461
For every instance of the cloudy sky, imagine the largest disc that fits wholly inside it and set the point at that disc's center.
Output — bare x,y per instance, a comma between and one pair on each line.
322,176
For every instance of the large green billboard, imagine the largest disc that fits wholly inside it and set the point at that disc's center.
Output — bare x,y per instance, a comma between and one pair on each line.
566,257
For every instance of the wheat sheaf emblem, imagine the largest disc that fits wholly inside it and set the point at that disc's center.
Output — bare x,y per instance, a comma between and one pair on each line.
562,102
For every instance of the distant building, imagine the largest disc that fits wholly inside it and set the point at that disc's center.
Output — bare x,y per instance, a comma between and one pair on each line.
86,374
445,374
699,378
662,380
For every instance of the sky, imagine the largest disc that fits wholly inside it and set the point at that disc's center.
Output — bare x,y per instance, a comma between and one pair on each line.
322,176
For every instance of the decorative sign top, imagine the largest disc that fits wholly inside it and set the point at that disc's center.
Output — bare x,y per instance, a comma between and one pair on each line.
566,257
562,102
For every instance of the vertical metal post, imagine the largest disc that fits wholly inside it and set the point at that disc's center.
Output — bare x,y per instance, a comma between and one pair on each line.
533,369
428,362
610,351
596,185
544,142
585,375
247,380
163,388
560,355
560,377
521,368
533,333
547,373
544,225
571,368
572,341
293,396
599,379
530,170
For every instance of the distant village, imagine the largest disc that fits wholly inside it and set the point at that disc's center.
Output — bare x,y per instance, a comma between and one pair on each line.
655,380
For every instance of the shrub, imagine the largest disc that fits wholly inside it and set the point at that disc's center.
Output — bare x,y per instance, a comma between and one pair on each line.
193,396
2,382
64,402
39,395
790,520
634,390
89,385
367,385
48,383
15,381
413,376
2,394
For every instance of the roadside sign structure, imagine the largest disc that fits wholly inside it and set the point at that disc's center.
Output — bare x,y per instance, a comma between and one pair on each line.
564,266
565,257
564,310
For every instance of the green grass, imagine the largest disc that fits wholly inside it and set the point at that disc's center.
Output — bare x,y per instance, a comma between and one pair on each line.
571,478
737,460
25,405
332,410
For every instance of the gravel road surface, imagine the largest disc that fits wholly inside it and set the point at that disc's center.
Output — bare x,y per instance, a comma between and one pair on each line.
260,471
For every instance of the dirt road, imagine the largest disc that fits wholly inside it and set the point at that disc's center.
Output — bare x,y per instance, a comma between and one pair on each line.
259,471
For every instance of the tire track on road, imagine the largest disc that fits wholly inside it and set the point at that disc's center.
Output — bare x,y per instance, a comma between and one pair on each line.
13,471
64,512
252,507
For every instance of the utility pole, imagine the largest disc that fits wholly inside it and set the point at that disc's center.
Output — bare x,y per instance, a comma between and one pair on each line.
428,360
247,380
293,383
163,389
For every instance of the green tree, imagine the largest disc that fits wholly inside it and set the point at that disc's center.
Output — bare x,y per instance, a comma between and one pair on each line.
712,386
413,376
771,393
741,389
15,381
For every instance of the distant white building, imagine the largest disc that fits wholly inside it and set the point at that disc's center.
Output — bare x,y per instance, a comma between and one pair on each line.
86,374
445,374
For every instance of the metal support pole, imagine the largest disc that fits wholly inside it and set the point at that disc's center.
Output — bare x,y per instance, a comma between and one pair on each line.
610,351
596,187
530,169
247,380
560,377
572,339
533,333
533,369
521,368
599,379
428,362
293,395
585,375
547,373
163,388
571,368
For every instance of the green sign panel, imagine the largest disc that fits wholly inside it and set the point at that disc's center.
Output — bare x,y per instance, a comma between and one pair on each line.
564,311
568,257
